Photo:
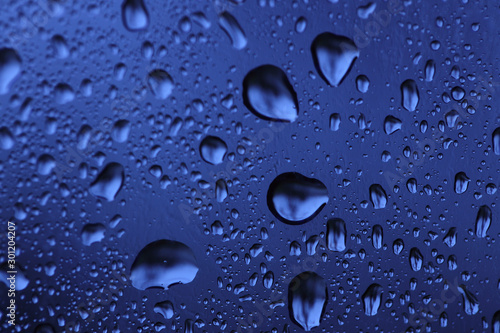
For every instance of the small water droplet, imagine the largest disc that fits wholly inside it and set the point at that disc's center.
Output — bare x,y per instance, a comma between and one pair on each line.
483,221
160,83
10,68
109,182
378,196
410,95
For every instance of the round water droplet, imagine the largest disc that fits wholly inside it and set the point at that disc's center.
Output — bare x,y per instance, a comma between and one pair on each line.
135,15
301,24
213,150
362,83
307,294
162,264
269,95
333,56
160,83
109,182
296,199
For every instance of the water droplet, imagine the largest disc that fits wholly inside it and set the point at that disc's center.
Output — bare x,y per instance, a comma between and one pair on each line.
109,182
411,185
430,70
269,95
398,246
335,121
296,199
365,11
135,15
450,238
60,47
333,57
45,164
63,93
166,309
377,236
495,322
121,130
220,190
483,221
372,299
391,124
307,296
410,96
6,138
213,150
163,263
336,235
92,233
461,182
471,304
416,259
362,83
301,24
44,328
160,83
10,68
268,280
496,141
232,28
378,196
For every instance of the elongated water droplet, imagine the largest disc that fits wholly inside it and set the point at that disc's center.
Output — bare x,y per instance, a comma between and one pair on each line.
336,235
372,299
471,304
333,57
232,28
495,138
213,149
296,199
410,95
163,263
160,83
121,130
495,322
307,296
483,221
109,182
135,16
10,68
378,196
220,190
411,185
334,121
377,236
269,95
461,182
397,246
450,238
6,138
430,70
166,309
416,259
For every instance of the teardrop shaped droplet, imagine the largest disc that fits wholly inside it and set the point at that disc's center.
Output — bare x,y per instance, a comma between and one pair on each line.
378,196
135,16
471,304
10,68
333,56
307,295
232,28
109,182
416,259
397,246
160,83
296,199
269,95
372,299
461,182
163,263
336,235
483,221
213,150
410,95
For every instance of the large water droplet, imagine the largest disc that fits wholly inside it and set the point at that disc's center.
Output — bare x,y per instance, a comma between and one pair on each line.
6,138
296,199
333,56
269,95
10,68
495,322
471,304
336,235
213,149
483,221
160,83
109,182
162,264
166,309
495,138
307,296
416,259
450,238
410,95
372,299
378,196
397,246
45,164
461,182
392,124
232,28
92,233
135,15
